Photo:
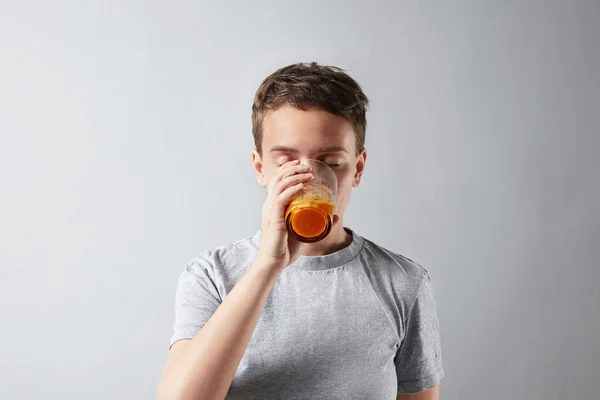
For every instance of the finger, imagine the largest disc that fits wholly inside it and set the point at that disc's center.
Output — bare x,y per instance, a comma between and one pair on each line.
291,170
286,197
285,166
288,171
291,181
292,162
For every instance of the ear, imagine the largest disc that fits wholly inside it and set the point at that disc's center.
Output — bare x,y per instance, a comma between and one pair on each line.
258,169
360,167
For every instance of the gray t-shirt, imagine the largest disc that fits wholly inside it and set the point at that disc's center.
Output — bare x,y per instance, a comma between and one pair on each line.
360,323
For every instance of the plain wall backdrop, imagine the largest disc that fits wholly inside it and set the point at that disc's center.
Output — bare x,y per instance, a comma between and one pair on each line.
125,141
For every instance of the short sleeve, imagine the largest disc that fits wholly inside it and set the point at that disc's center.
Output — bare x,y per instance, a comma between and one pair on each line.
196,299
419,359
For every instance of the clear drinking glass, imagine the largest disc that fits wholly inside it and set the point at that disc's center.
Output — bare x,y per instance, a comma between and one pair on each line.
309,216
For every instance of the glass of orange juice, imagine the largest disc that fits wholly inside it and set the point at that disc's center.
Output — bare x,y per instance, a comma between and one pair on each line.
309,216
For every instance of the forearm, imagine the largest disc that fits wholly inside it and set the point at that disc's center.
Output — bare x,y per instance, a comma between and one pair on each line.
210,360
431,394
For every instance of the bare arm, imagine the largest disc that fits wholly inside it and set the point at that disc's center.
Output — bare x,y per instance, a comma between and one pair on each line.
430,394
203,367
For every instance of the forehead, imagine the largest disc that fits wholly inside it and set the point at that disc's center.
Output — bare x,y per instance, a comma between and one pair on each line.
306,130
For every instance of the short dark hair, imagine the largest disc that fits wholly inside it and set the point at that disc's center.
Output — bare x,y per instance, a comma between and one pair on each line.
311,86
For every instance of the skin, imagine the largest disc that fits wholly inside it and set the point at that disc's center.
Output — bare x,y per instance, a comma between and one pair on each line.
203,367
430,394
291,134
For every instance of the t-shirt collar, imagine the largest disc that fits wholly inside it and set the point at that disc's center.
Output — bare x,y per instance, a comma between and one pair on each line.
329,261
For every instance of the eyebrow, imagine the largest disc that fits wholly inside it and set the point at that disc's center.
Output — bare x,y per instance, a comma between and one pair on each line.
284,149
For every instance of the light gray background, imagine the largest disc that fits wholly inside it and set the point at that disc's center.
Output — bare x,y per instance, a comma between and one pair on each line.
125,150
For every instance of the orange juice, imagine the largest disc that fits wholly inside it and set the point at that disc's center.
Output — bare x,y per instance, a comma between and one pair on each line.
309,220
309,216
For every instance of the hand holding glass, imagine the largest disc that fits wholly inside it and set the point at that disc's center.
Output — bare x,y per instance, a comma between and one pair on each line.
309,216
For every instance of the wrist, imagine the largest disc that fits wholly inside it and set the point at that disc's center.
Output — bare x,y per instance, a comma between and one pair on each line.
268,264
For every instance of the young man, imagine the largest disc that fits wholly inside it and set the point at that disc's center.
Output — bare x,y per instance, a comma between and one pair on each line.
271,318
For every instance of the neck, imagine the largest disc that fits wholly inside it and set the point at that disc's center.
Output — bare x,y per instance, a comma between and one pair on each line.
337,239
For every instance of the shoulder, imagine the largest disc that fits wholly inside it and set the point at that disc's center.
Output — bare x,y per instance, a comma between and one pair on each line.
226,260
396,280
389,263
